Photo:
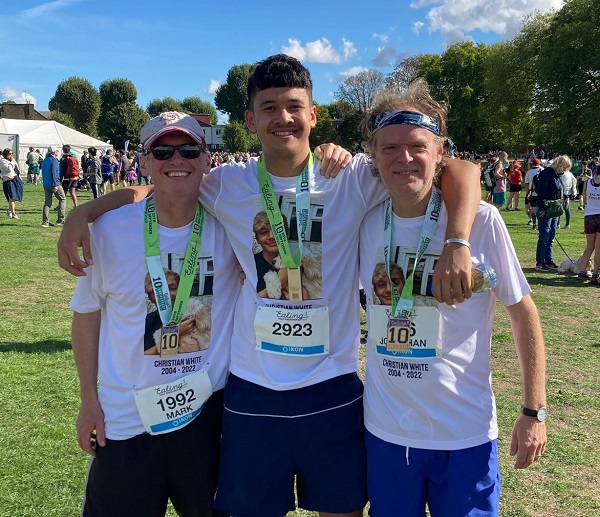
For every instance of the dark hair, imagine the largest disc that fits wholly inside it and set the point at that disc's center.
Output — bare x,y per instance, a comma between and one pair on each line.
92,151
278,71
66,148
6,152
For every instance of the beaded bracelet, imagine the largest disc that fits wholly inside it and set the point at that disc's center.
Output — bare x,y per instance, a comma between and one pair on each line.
456,240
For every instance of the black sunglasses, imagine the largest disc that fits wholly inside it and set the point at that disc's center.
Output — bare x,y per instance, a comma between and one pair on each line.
187,151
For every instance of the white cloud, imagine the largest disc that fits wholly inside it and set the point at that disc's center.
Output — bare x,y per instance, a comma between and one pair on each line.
19,96
43,9
355,70
319,51
416,27
384,38
211,89
454,19
386,57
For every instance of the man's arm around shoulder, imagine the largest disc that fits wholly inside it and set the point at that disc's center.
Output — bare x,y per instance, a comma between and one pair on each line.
76,233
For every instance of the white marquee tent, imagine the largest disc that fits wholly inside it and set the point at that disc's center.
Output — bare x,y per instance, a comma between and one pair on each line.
42,133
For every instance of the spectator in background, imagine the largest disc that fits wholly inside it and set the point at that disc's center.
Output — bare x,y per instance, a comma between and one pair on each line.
549,188
591,221
582,179
93,171
569,189
11,182
33,166
499,192
531,181
515,176
108,174
52,188
69,172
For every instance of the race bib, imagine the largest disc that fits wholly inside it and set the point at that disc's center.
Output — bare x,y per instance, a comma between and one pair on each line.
424,338
290,331
170,406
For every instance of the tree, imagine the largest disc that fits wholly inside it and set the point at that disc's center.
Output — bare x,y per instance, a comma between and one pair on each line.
199,106
157,106
232,96
402,76
62,118
115,92
359,90
349,133
123,122
457,77
78,98
339,109
236,137
323,132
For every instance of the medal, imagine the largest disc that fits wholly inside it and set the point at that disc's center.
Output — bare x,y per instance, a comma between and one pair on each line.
294,284
398,334
169,340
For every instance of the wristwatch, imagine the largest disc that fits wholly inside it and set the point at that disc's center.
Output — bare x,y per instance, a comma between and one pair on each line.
541,414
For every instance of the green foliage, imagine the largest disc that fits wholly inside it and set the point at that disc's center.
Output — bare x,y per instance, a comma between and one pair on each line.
63,118
323,132
199,106
339,109
78,98
236,137
232,96
115,92
158,106
123,122
350,136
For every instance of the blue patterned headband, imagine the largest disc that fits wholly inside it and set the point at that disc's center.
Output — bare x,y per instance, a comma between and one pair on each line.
411,118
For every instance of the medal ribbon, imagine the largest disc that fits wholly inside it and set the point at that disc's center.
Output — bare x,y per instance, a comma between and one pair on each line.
402,302
168,314
274,213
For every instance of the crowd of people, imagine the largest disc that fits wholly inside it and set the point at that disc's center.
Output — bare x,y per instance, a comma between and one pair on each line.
548,183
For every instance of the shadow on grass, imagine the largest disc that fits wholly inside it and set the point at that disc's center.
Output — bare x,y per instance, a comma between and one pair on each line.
39,347
552,279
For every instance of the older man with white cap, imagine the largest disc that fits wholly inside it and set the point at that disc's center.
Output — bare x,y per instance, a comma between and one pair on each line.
152,423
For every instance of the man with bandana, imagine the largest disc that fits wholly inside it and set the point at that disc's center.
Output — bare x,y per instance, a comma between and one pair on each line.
430,417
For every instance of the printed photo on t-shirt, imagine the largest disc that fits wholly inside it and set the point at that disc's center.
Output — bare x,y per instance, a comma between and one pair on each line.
402,260
272,274
195,325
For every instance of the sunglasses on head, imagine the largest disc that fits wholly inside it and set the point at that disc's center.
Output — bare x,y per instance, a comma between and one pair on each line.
187,151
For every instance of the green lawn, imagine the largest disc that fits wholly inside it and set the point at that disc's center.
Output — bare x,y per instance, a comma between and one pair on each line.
42,471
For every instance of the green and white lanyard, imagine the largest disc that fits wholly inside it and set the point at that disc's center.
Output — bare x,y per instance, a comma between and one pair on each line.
171,315
274,213
402,303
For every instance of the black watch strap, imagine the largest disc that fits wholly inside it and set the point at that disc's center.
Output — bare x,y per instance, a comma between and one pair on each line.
539,414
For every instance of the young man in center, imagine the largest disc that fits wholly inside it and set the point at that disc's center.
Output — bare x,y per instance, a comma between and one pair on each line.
293,402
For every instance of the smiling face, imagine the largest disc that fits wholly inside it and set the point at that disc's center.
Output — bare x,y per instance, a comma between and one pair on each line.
282,118
176,176
407,158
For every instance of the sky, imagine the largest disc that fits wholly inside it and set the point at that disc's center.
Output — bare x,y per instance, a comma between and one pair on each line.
185,48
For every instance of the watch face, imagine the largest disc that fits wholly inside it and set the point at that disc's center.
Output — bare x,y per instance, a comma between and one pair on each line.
542,414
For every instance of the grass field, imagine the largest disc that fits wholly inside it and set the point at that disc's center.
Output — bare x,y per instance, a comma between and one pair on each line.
42,471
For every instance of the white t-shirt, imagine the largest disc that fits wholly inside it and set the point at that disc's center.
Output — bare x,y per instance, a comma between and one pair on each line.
115,284
569,183
444,402
531,173
592,199
337,207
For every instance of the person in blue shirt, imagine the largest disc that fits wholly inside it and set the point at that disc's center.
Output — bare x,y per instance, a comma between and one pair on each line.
52,187
549,188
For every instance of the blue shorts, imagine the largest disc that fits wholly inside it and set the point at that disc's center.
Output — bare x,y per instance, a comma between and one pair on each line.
499,198
312,435
459,483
